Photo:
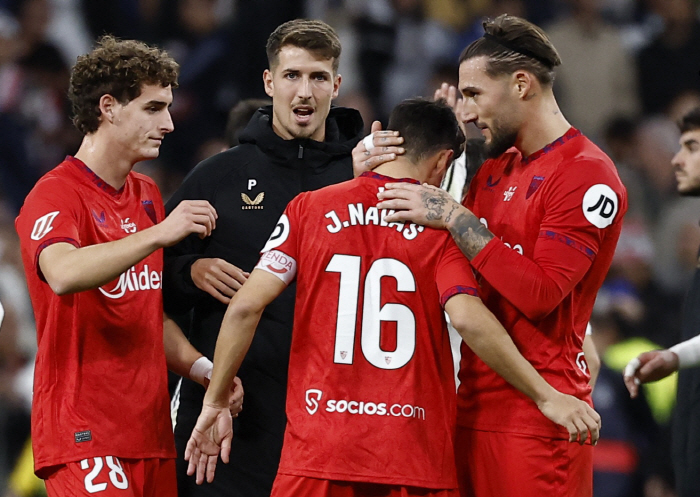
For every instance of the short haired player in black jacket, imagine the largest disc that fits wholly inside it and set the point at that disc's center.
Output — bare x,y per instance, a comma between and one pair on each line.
299,143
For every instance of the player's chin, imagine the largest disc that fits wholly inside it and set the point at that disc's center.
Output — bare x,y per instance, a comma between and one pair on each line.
687,189
151,152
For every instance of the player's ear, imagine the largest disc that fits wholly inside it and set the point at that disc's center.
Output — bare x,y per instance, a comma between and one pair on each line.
337,79
268,83
108,105
523,84
443,160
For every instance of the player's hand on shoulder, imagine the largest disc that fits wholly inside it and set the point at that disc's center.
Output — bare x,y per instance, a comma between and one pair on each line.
190,216
579,419
218,278
421,204
649,366
212,434
376,149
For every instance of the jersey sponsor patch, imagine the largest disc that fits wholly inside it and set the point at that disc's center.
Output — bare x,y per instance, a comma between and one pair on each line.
600,205
279,234
42,226
279,264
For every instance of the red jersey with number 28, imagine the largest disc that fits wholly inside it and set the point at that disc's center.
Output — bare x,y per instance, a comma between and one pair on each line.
371,386
100,380
557,216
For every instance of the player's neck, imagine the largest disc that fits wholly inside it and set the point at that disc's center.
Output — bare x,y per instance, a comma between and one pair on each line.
546,125
107,163
400,168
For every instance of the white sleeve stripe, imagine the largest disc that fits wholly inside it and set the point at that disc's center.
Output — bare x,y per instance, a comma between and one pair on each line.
688,352
278,263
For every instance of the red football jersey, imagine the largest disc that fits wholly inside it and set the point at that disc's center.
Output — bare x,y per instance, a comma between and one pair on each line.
371,393
562,208
100,381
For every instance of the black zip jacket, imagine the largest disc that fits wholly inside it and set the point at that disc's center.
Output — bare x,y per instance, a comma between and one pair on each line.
249,186
686,421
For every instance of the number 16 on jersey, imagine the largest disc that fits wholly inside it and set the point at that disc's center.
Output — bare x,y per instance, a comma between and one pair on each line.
373,313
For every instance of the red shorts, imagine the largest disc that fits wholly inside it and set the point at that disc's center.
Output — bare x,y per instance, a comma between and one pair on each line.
492,464
112,477
289,486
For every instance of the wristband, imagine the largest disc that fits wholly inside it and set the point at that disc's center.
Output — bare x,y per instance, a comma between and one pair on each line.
688,352
368,142
201,369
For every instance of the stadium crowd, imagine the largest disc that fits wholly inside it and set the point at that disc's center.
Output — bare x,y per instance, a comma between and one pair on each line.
629,73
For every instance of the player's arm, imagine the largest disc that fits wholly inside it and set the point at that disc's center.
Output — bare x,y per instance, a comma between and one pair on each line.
482,332
187,274
183,359
69,269
535,287
592,358
213,429
180,355
658,364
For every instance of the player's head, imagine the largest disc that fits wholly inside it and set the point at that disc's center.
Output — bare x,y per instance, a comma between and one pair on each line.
432,135
512,64
120,69
302,78
686,163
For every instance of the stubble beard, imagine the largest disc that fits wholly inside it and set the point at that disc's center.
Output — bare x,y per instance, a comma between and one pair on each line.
502,139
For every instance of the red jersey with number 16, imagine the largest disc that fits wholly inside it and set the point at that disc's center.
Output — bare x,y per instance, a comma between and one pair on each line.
371,386
100,380
557,216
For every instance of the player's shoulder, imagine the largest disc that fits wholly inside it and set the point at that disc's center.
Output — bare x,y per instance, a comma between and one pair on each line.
583,161
226,163
59,182
333,191
143,180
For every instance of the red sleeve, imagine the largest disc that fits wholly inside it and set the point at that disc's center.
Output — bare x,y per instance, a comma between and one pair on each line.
454,274
584,201
279,255
49,215
536,287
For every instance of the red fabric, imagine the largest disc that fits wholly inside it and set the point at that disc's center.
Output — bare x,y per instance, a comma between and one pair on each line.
113,477
393,384
492,464
100,382
554,212
535,287
291,486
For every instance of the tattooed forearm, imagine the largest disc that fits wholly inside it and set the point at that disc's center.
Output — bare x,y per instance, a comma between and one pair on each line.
435,203
453,209
470,235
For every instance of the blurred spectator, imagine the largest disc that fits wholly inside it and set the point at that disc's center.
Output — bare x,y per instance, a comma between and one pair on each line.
603,72
621,141
669,64
624,456
36,132
239,116
676,240
123,18
393,35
